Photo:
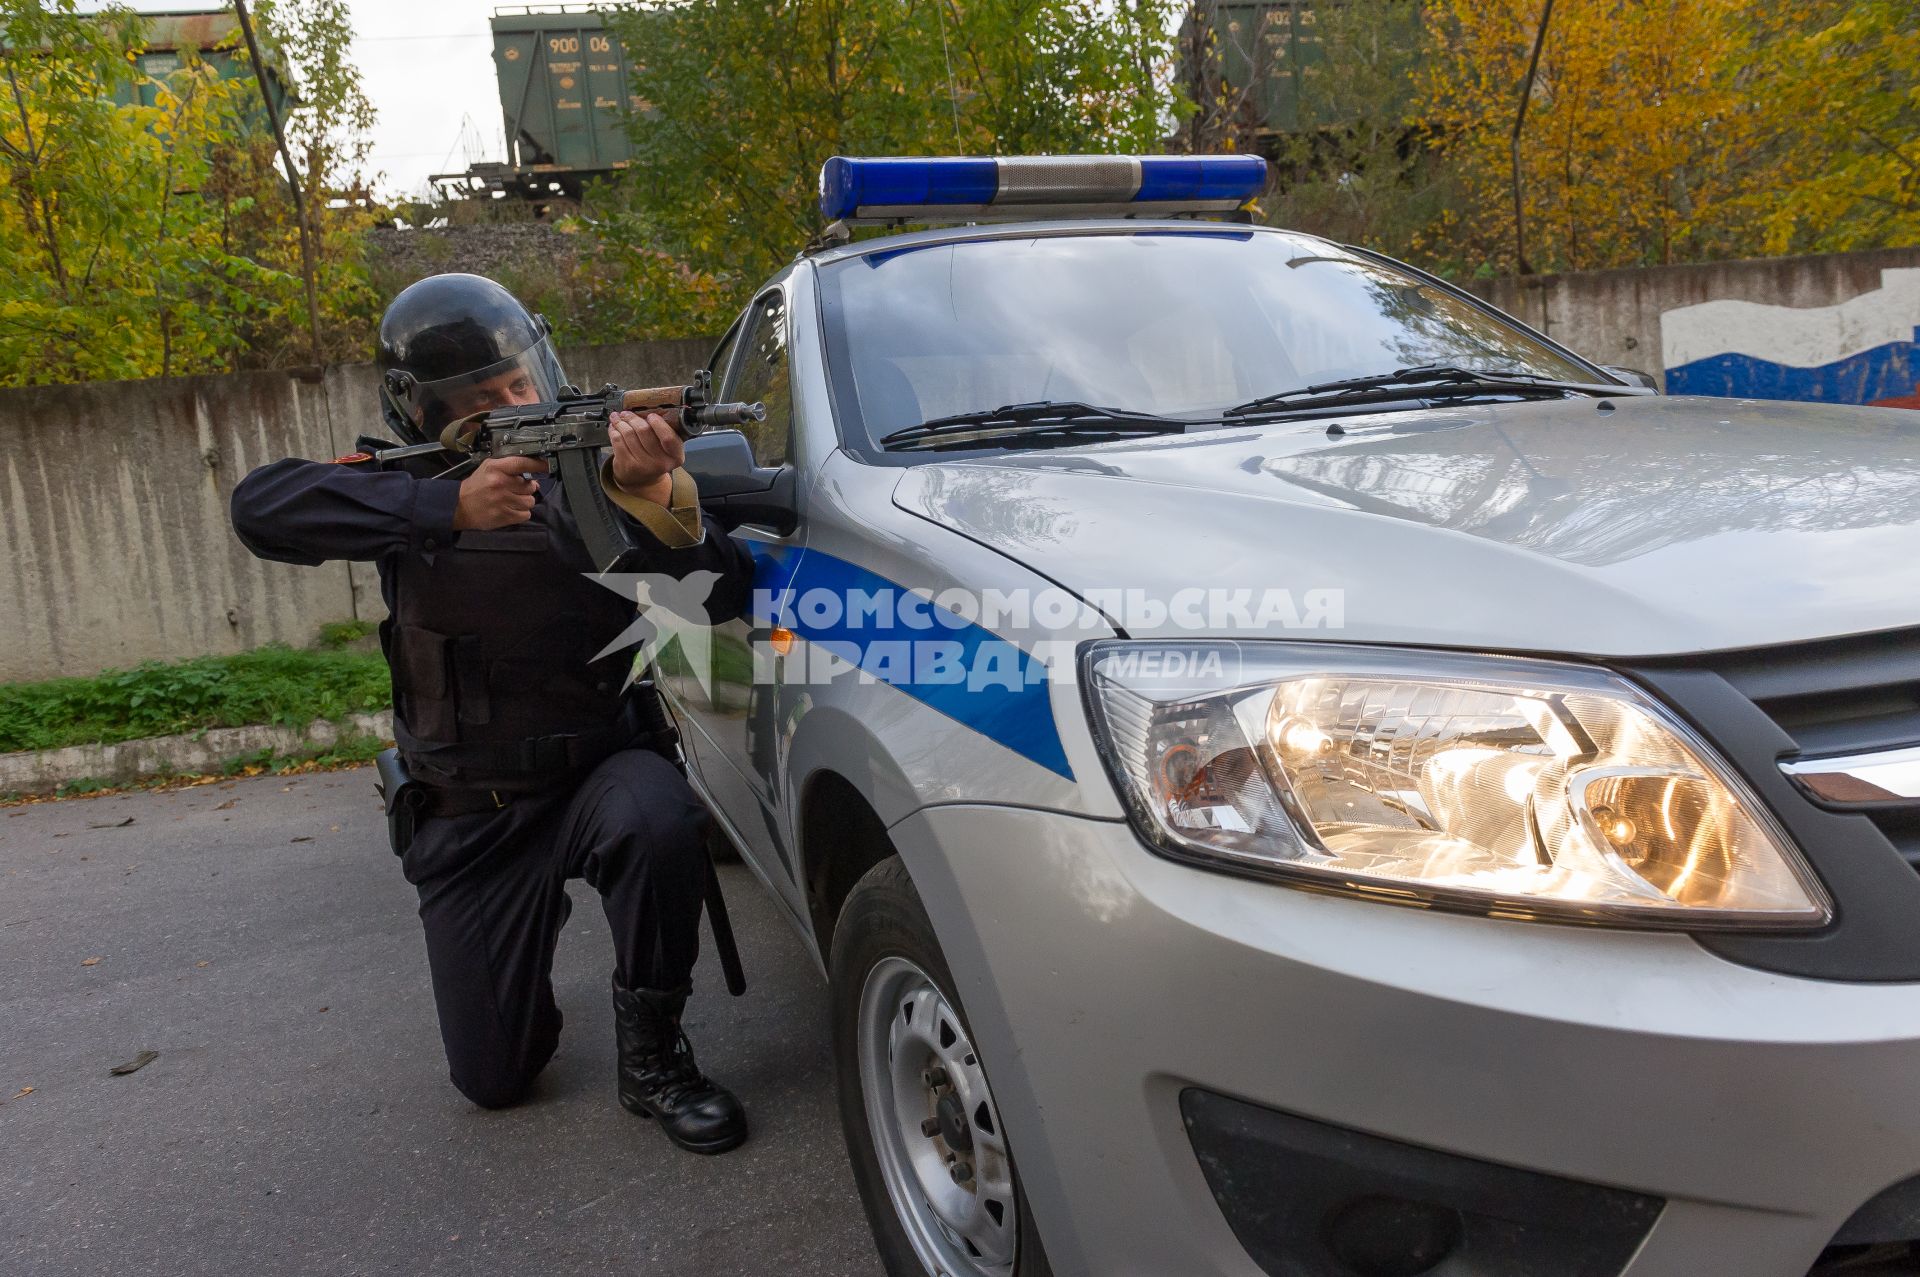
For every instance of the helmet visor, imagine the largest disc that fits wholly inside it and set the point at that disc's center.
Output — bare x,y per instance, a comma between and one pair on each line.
532,376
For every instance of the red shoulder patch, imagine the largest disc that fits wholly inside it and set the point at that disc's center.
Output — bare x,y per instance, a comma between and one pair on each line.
352,458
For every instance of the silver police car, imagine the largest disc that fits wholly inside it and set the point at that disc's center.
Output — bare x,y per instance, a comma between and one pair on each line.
1288,770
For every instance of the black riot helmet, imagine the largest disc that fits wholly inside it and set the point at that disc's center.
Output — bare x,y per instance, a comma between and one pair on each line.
453,345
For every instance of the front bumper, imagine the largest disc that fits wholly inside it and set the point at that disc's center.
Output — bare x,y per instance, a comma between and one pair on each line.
1102,982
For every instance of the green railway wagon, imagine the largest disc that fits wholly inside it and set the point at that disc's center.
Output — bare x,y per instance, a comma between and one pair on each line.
1268,48
564,91
213,34
1272,51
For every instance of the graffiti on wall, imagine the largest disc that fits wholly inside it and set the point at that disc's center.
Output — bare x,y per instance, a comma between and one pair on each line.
1864,351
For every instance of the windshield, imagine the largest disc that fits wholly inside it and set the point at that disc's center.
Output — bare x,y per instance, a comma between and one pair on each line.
1183,323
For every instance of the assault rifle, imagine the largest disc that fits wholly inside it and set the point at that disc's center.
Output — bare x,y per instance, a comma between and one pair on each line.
569,434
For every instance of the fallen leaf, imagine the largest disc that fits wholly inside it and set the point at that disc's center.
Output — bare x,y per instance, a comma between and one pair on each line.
134,1065
88,962
301,838
203,964
25,1090
333,829
110,824
227,805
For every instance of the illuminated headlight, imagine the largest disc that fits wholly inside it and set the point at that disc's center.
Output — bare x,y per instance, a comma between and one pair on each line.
1521,788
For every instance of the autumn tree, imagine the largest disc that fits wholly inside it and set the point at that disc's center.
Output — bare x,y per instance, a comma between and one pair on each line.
145,237
1847,75
1672,130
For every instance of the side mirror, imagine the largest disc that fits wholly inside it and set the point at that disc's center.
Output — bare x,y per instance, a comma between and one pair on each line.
1633,377
734,489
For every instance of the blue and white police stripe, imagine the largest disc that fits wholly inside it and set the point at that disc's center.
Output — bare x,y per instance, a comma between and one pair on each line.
1013,708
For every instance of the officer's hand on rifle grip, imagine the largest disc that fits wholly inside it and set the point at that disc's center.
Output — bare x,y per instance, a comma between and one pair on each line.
496,495
646,452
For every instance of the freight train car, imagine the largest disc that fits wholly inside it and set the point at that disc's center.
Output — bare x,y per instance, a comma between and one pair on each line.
1267,49
1270,52
212,34
564,100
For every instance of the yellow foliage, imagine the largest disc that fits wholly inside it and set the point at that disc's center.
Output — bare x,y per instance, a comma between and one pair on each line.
1671,130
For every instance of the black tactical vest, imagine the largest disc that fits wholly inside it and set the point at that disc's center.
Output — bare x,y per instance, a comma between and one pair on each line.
491,643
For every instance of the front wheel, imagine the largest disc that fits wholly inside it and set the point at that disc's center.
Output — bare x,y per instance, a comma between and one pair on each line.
929,1150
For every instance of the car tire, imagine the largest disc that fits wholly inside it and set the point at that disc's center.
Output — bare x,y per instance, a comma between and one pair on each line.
895,1009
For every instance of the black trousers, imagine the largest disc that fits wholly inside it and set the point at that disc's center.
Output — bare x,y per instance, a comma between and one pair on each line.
493,898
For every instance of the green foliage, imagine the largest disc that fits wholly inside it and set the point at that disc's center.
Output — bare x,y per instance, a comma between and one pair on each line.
158,238
274,684
330,127
338,634
747,98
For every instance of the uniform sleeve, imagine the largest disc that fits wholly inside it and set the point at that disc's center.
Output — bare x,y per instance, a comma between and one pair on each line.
309,512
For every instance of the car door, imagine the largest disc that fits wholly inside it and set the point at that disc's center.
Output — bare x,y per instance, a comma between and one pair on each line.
730,716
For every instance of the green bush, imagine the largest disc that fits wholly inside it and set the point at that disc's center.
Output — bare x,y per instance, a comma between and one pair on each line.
273,684
338,634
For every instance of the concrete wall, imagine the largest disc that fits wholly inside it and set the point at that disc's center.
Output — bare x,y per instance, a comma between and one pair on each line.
113,510
1621,316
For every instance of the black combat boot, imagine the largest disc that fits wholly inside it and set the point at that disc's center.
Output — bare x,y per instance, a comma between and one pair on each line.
659,1079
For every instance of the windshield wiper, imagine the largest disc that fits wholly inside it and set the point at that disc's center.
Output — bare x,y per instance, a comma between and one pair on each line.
1048,417
1419,383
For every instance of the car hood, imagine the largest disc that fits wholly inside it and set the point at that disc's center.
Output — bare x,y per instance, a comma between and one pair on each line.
1616,527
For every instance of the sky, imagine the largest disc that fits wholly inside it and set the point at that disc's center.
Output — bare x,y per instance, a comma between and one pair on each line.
427,67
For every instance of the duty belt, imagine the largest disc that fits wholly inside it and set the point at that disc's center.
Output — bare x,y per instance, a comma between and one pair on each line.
437,800
549,754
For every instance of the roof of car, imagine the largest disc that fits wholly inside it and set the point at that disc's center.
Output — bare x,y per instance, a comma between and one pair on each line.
1031,230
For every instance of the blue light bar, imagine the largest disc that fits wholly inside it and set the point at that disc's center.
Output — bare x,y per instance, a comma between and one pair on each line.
893,189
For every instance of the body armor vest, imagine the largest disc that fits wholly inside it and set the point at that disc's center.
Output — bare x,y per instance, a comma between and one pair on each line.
491,643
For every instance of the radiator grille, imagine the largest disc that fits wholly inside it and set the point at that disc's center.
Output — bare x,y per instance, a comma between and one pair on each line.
1839,696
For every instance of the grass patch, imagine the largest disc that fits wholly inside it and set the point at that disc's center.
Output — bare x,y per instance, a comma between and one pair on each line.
274,684
335,635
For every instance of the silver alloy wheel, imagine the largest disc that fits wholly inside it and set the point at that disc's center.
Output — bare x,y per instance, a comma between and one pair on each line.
936,1131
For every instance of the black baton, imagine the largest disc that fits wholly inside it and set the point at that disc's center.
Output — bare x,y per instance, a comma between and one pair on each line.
723,945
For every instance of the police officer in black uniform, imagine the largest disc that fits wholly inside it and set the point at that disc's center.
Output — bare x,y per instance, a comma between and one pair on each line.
528,755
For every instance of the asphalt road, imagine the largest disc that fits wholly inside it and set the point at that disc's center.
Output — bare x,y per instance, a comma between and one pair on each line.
259,936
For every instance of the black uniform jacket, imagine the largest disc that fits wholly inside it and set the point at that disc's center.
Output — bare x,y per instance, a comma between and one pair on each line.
479,620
